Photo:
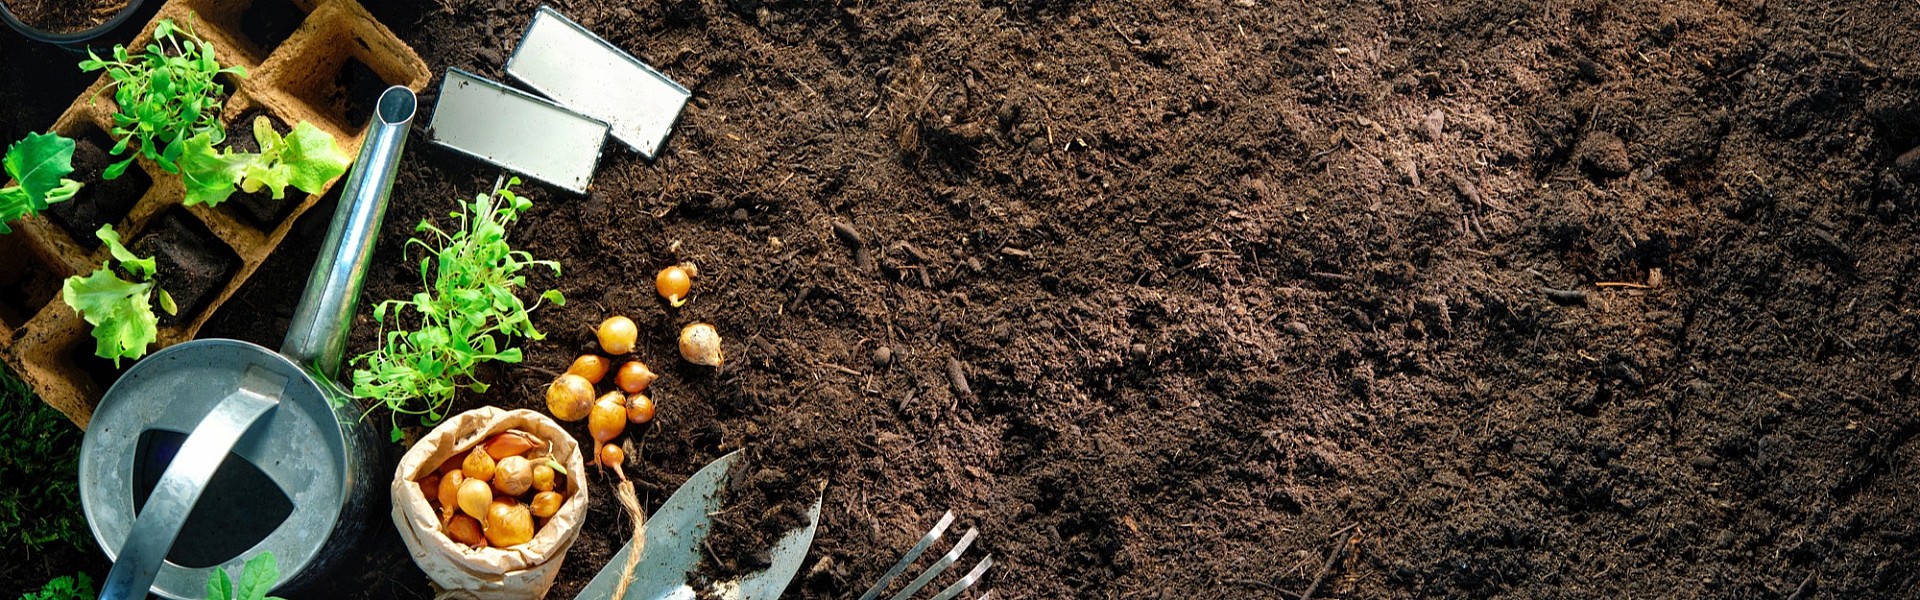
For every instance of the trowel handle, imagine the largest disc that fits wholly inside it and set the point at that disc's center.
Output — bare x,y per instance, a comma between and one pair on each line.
318,335
166,510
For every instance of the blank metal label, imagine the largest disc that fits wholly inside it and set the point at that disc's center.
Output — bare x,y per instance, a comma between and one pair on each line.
510,128
565,62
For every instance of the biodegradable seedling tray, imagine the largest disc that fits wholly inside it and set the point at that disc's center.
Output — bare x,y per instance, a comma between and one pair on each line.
306,60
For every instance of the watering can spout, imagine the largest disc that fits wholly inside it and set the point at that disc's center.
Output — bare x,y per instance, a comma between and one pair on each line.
318,335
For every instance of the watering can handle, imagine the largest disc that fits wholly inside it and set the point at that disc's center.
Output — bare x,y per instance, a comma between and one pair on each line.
186,477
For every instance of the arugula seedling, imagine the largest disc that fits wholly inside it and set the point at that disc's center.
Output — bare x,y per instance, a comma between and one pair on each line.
38,164
466,313
167,94
256,578
306,159
120,310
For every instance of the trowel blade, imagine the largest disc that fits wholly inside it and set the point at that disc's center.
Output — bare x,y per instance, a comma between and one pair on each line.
675,535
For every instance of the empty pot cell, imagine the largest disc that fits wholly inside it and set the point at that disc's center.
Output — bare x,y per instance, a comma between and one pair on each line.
259,207
258,27
27,280
190,264
336,76
99,202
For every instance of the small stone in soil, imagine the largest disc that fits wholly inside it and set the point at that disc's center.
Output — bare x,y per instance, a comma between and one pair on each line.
1295,328
882,357
1566,297
1433,125
846,233
1909,162
957,374
1603,154
863,260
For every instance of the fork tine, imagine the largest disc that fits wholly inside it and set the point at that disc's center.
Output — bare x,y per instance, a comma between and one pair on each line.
968,581
938,567
901,567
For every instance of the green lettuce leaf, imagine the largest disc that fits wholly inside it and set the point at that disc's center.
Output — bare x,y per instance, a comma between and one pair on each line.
38,164
120,311
210,174
313,158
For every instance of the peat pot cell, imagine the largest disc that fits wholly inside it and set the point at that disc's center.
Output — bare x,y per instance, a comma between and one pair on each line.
354,91
99,202
258,208
258,26
190,264
27,282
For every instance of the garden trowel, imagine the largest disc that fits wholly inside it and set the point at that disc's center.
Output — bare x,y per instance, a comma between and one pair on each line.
675,535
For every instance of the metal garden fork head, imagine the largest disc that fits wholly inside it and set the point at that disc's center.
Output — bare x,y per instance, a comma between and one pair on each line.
952,556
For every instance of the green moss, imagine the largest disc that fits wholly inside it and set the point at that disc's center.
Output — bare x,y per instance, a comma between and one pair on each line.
41,505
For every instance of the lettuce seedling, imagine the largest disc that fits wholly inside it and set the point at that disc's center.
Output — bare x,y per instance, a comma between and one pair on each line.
466,313
256,578
119,309
167,94
39,165
306,159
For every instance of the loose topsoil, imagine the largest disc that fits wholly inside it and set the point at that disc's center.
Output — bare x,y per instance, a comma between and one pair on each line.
1238,298
64,16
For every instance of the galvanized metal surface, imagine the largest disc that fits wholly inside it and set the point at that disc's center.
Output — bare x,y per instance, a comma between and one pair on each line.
581,71
481,118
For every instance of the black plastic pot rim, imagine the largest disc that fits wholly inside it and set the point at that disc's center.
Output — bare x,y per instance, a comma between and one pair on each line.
69,39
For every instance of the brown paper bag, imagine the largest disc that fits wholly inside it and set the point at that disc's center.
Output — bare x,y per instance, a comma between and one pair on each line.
463,572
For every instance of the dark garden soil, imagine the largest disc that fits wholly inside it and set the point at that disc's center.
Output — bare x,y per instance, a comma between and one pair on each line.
189,262
64,16
99,202
1487,299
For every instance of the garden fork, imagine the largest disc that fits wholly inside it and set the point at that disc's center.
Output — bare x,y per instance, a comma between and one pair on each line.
952,591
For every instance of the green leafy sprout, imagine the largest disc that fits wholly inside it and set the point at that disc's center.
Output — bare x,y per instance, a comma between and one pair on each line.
465,315
38,165
120,309
65,587
256,579
167,93
306,159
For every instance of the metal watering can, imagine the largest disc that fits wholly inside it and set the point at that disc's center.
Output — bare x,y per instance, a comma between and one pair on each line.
212,451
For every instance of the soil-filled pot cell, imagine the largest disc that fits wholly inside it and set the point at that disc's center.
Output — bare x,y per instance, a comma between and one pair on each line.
99,202
64,16
27,283
258,208
190,264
